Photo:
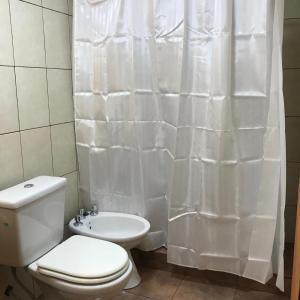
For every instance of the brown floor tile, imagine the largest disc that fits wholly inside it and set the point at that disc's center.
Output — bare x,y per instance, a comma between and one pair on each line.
156,260
127,296
156,284
251,295
197,290
197,283
248,284
213,277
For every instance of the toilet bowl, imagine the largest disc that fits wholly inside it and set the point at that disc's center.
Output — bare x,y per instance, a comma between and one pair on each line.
82,268
123,229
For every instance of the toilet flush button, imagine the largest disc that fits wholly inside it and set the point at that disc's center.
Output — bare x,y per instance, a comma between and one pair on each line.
28,185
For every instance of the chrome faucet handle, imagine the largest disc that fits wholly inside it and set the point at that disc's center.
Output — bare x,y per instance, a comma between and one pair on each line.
82,213
94,211
77,221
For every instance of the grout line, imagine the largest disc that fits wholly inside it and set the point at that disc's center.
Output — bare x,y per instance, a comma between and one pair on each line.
62,123
177,288
54,10
11,132
50,131
76,170
71,28
32,128
34,67
70,41
49,114
146,297
16,89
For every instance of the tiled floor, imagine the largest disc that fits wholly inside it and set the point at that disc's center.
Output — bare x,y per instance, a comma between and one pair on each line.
166,285
162,281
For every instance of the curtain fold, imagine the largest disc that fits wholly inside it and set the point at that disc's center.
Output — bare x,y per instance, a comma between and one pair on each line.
180,119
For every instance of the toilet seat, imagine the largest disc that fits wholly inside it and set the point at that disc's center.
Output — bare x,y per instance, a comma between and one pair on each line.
81,289
84,260
80,280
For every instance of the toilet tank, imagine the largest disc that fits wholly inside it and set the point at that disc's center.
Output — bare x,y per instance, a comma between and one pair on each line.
31,219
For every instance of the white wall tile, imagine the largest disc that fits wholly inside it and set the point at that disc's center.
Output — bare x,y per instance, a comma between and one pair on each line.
36,150
29,43
37,2
82,202
293,139
63,148
71,204
291,43
71,37
8,101
57,40
28,36
59,5
291,91
70,4
10,160
6,50
32,97
60,96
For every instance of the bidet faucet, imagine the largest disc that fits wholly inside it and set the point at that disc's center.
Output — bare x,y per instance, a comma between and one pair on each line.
94,211
83,213
77,221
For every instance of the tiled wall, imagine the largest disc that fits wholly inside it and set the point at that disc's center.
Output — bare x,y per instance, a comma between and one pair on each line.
291,82
36,105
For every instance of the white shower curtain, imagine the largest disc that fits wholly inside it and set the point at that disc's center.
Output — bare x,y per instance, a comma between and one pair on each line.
180,119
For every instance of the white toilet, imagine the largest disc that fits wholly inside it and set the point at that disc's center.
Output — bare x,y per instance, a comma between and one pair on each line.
31,231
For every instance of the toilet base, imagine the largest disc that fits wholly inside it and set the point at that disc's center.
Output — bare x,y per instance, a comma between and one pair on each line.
135,278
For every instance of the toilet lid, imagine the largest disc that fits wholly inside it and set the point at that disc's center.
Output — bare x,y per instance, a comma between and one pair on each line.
85,260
